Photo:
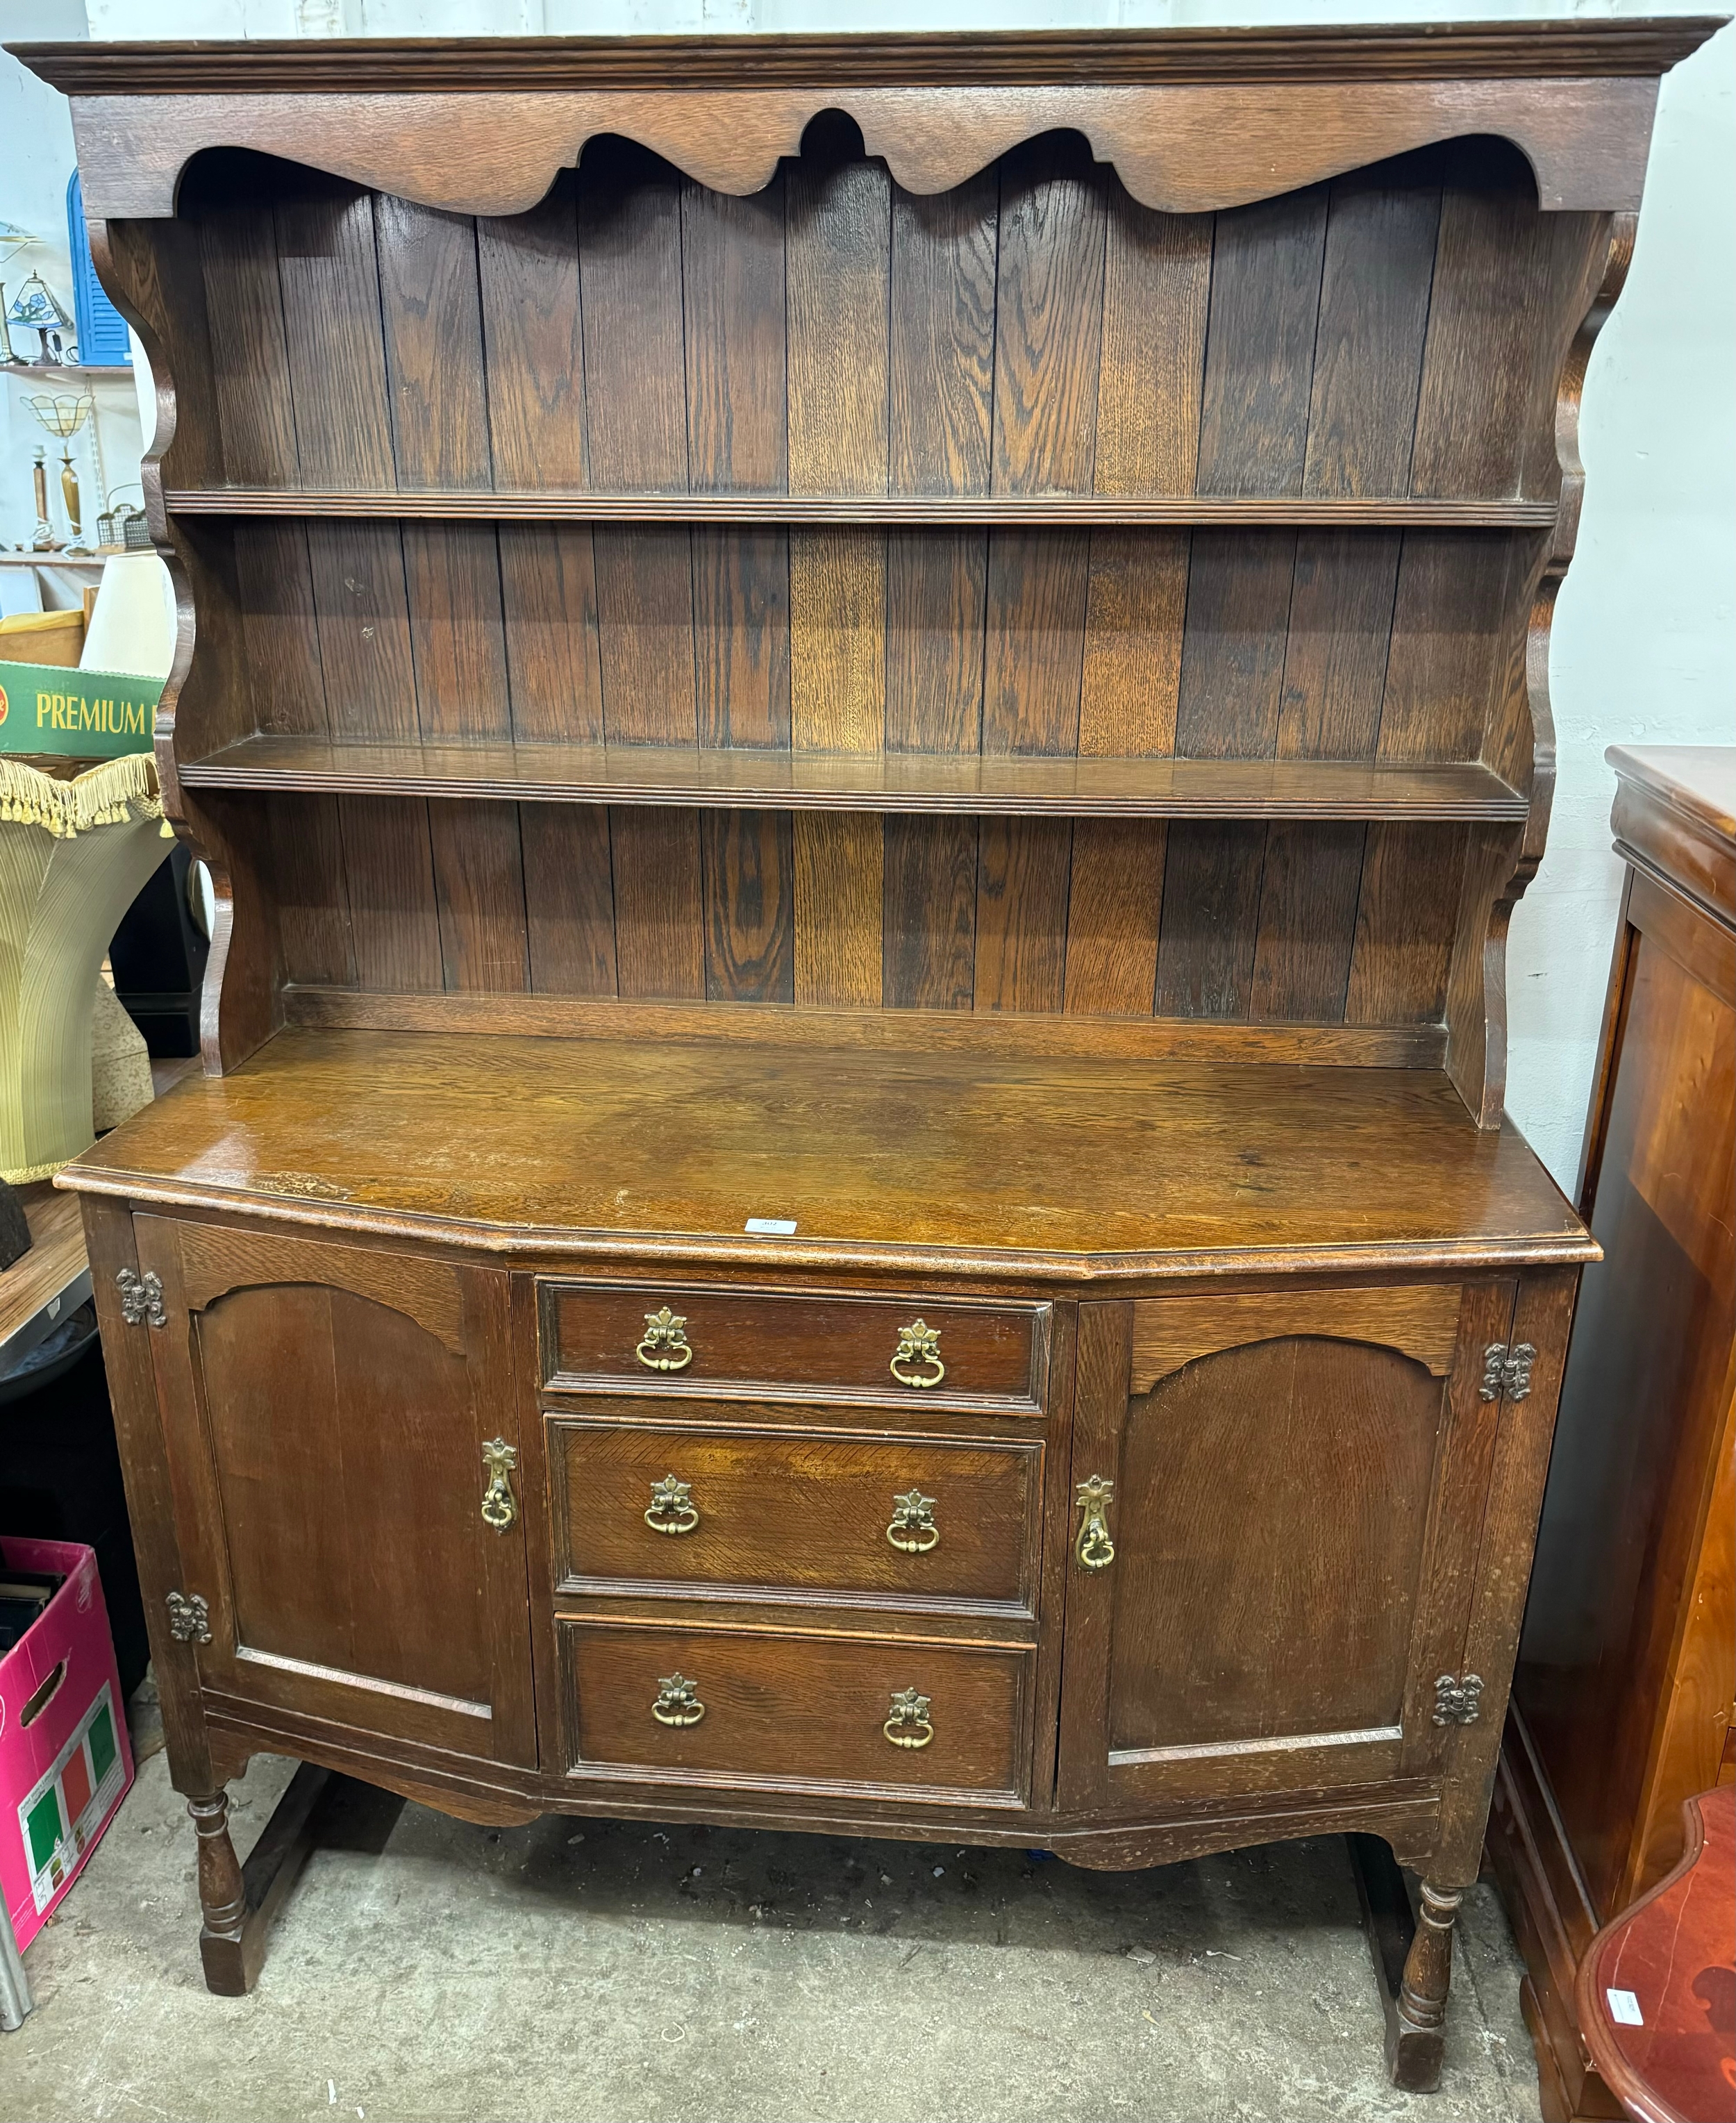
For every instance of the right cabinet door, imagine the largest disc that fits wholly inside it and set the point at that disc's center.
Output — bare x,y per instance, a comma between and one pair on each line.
1278,1499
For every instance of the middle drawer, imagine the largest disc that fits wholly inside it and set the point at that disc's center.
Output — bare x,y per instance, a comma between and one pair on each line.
738,1509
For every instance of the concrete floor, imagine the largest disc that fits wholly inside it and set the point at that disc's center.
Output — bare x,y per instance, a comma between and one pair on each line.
602,1973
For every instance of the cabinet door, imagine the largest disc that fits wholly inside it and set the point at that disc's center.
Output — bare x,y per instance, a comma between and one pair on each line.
1297,1485
324,1410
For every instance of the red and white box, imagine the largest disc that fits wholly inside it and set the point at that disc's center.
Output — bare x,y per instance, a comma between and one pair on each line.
65,1764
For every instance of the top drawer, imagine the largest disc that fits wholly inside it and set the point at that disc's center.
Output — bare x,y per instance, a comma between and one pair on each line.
662,1338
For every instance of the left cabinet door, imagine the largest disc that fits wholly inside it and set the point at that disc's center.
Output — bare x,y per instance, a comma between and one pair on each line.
336,1418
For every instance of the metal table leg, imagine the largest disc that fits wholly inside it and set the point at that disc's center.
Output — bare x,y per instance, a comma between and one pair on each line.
15,1985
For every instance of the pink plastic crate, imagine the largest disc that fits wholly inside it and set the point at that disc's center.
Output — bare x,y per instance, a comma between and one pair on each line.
65,1764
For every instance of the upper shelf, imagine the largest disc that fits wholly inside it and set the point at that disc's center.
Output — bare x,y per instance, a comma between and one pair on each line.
496,505
744,780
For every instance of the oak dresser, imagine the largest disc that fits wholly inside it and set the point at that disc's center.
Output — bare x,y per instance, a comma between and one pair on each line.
867,713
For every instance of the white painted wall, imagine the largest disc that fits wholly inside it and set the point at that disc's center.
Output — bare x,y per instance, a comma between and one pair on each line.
1644,644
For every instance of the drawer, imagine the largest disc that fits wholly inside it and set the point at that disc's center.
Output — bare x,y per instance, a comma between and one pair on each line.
773,1711
740,1509
662,1338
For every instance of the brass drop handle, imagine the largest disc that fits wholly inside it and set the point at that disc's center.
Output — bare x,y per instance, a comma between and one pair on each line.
500,1505
913,1530
664,1345
672,1509
1094,1549
677,1702
918,1344
910,1725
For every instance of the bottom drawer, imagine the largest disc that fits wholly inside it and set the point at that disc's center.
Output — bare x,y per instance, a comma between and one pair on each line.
761,1710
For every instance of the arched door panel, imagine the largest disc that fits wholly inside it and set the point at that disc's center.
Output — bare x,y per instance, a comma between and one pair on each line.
325,1409
1294,1515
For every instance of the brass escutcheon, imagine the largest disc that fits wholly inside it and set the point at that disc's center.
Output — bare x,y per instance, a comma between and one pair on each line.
918,1344
677,1704
910,1725
913,1529
672,1509
665,1330
500,1505
1094,1549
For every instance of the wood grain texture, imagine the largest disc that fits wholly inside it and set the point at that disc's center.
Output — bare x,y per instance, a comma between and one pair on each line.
1049,310
569,898
550,633
250,358
748,867
1196,1659
1023,867
528,278
480,894
1114,910
659,931
929,925
839,267
328,275
983,1497
388,861
1038,511
430,307
840,893
1467,50
1265,288
753,776
630,238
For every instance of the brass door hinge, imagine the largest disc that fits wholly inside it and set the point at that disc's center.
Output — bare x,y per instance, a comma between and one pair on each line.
190,1617
1507,1372
142,1299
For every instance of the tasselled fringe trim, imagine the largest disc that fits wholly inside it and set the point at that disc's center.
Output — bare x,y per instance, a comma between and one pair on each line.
114,793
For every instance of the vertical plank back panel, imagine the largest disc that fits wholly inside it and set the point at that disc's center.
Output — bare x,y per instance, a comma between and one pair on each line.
431,308
569,898
548,599
480,895
748,865
309,885
659,928
838,237
737,438
930,950
1490,288
250,355
941,365
840,889
629,218
1266,261
1157,283
527,270
389,864
329,281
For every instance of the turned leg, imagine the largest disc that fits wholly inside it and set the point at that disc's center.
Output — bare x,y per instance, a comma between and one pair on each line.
222,1897
1413,1959
1415,2034
239,1901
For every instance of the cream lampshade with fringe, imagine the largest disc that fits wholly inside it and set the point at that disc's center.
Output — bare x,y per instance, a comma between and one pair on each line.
73,857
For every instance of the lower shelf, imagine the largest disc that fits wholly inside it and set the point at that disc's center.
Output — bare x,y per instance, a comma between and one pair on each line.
740,779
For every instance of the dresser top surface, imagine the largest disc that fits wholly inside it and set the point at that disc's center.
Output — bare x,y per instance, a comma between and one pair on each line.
1699,779
978,1165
